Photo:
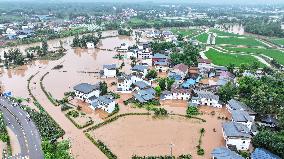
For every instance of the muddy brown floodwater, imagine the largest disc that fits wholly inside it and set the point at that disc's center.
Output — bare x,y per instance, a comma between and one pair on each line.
79,65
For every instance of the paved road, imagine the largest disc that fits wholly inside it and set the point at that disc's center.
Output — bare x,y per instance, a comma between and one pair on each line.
25,130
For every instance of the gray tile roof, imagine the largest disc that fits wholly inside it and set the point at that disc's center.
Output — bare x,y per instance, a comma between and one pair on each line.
105,99
92,98
139,68
139,98
86,88
237,105
241,116
232,129
207,95
110,67
141,84
225,153
261,153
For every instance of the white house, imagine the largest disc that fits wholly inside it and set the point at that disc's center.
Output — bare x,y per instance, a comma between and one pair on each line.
242,117
90,45
109,70
204,64
144,54
106,103
237,105
132,53
124,83
205,98
123,47
85,91
236,135
176,94
140,69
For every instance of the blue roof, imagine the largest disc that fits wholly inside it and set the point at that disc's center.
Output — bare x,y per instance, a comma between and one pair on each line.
225,153
160,56
188,83
261,153
175,76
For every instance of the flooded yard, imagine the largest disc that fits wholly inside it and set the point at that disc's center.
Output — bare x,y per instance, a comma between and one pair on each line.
145,135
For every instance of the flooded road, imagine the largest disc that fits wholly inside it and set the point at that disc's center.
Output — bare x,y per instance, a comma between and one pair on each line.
79,65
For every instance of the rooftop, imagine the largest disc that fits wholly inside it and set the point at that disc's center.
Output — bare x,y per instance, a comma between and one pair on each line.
160,56
237,105
241,116
141,84
225,153
86,87
232,129
181,67
261,153
139,68
207,95
110,67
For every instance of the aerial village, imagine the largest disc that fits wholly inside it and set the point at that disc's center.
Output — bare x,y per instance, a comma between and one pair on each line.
114,85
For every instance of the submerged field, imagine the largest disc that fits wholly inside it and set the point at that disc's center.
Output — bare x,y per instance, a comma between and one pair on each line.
273,53
225,59
145,135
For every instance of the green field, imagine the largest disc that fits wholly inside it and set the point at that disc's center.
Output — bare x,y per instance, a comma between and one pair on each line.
238,41
278,41
185,32
202,37
223,33
224,59
275,54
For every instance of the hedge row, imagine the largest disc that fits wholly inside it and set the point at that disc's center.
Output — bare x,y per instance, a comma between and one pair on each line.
50,98
77,125
113,119
102,147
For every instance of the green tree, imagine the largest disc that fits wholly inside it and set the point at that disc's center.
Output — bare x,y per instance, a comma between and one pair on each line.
44,47
227,92
103,88
158,90
152,74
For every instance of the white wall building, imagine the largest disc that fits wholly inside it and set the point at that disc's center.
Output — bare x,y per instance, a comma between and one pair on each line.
236,135
206,98
84,91
106,103
109,71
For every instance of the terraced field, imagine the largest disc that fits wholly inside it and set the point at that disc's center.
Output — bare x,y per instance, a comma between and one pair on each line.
244,41
273,53
225,59
186,32
278,41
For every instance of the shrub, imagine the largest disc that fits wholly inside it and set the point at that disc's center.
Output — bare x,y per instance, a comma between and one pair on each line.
160,112
192,111
73,113
200,151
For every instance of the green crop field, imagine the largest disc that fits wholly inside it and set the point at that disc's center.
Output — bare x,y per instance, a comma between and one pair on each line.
223,33
238,41
202,37
273,53
185,32
224,59
278,41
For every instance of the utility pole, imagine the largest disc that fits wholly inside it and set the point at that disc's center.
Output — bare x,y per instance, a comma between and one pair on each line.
171,149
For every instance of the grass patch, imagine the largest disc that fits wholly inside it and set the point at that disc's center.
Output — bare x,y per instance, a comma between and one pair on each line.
275,54
225,59
202,37
239,41
224,33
